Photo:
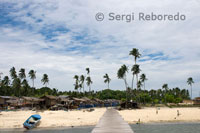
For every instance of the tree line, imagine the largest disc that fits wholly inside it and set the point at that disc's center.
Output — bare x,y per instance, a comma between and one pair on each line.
17,85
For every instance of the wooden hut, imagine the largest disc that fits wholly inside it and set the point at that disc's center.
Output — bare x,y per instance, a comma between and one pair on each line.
5,101
50,100
197,101
32,102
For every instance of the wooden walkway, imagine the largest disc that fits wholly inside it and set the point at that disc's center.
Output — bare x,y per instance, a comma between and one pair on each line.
112,122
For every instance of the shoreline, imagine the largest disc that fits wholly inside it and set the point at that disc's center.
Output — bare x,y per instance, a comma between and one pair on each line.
13,120
92,126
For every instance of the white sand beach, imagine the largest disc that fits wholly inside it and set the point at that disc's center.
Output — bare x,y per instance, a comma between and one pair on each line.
51,119
148,115
15,119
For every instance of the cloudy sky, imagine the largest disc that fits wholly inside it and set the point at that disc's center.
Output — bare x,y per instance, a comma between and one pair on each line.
62,38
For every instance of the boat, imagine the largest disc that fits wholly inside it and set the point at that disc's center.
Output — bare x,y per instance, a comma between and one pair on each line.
32,121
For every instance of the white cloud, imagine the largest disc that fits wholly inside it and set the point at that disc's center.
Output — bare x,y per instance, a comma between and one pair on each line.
178,41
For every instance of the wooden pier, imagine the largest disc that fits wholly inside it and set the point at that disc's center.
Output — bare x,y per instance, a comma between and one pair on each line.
112,122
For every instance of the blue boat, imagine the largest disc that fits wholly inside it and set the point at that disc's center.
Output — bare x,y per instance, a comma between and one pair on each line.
32,121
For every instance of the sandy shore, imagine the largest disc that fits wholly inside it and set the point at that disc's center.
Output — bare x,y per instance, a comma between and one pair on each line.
15,119
149,115
51,119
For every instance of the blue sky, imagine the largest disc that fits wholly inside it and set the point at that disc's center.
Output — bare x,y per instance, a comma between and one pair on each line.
62,38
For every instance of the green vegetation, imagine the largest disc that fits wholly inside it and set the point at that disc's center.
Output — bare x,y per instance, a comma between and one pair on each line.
17,85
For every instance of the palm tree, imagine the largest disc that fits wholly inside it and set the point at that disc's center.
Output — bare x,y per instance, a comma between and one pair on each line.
143,79
6,81
89,82
121,74
32,75
82,80
76,85
134,52
107,79
165,87
13,73
17,86
88,71
136,70
22,73
45,80
190,82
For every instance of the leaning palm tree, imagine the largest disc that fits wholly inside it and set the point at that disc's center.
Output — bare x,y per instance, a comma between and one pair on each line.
45,80
22,73
32,75
89,82
82,80
190,82
107,79
121,74
134,52
165,87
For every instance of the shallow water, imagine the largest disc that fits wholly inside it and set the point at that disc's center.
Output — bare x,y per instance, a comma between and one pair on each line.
142,128
167,128
85,129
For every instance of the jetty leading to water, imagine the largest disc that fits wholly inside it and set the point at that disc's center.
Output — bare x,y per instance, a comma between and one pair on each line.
112,122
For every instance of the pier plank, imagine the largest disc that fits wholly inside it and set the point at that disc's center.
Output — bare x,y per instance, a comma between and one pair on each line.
112,122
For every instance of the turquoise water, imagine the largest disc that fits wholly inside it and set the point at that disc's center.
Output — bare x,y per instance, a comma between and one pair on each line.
142,128
167,128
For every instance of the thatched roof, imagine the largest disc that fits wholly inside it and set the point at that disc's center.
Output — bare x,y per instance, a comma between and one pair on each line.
50,97
32,99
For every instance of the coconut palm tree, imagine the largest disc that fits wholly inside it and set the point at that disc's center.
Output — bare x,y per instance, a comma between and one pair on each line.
121,74
82,80
22,73
143,79
45,80
89,82
190,82
88,71
76,85
13,73
17,86
165,87
136,70
107,79
6,81
32,75
135,53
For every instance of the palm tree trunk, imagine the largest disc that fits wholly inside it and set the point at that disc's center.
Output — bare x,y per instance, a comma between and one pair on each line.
144,92
108,85
191,91
132,87
126,92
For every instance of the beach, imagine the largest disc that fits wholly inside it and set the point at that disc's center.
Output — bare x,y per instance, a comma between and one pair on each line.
50,119
57,119
163,114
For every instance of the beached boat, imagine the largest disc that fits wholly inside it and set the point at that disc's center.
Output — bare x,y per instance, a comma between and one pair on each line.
32,121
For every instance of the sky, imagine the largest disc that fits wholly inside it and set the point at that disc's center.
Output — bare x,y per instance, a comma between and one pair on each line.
62,37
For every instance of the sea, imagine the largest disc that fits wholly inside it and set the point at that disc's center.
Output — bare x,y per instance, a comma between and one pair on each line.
137,128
